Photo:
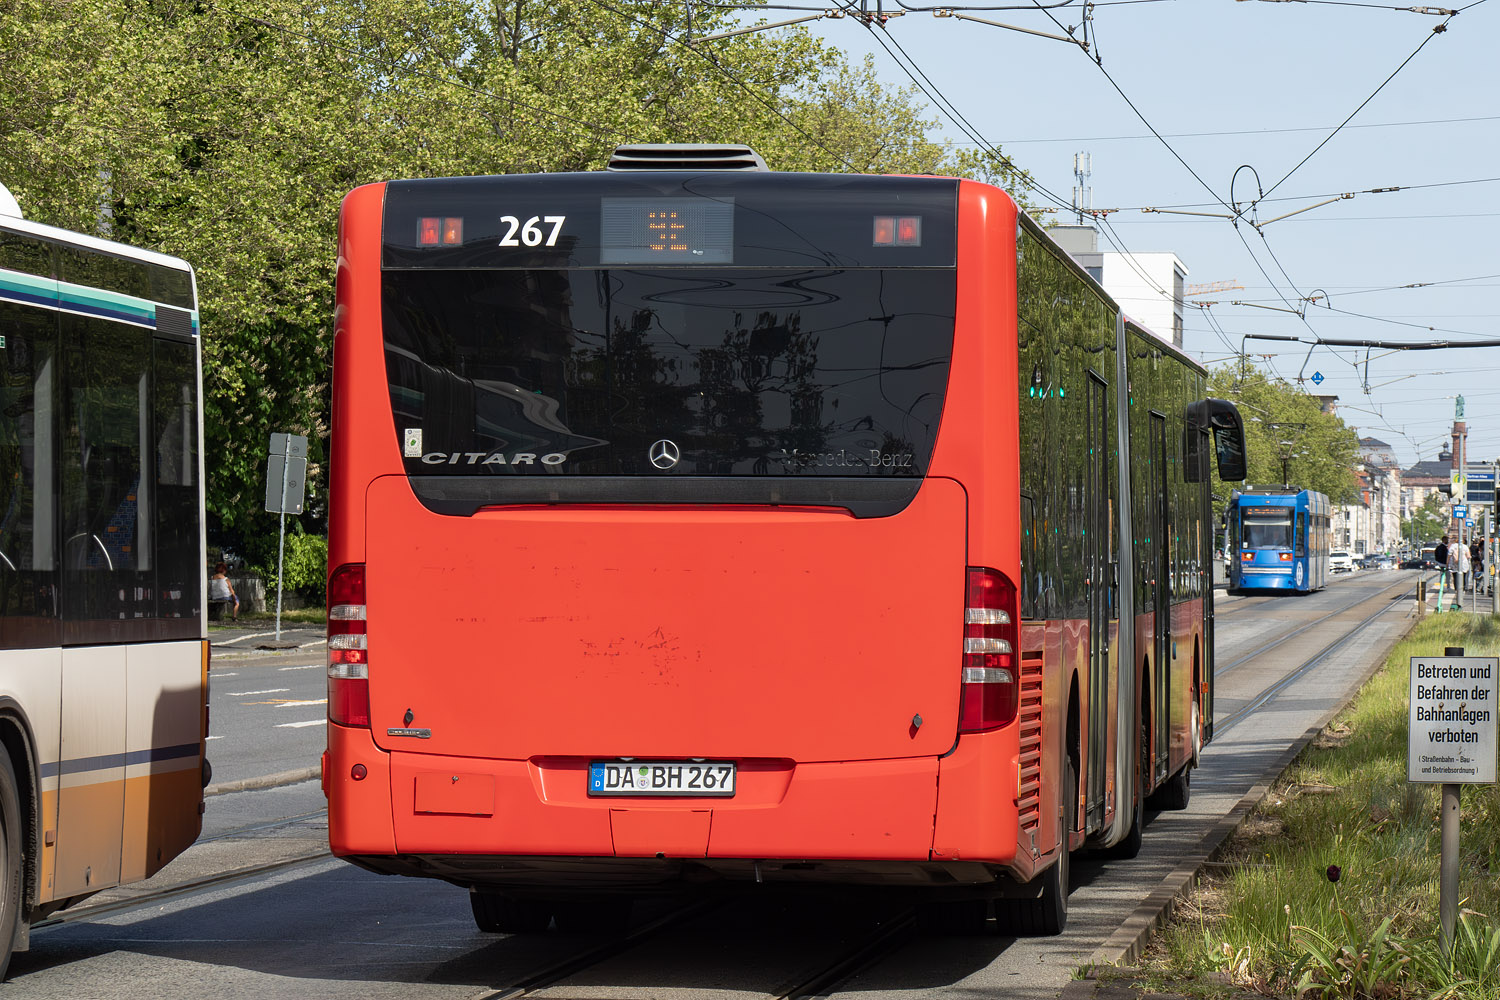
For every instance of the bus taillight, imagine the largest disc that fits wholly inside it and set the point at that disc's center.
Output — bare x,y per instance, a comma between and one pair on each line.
990,691
348,655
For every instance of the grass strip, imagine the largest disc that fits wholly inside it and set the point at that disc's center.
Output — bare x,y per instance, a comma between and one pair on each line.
1330,888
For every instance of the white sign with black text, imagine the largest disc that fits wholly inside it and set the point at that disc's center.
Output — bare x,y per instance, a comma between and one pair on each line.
1451,732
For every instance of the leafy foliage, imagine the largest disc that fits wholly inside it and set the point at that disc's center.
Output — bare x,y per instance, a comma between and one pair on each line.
1288,436
304,567
1429,523
228,133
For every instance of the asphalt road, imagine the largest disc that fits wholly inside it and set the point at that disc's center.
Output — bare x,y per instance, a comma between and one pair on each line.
267,708
326,929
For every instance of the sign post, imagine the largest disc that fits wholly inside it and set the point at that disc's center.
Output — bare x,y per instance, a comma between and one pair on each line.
286,484
1451,740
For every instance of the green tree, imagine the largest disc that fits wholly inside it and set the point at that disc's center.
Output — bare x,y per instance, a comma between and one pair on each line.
227,134
1428,523
1286,431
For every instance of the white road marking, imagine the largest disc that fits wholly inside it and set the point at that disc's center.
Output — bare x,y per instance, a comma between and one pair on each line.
320,642
300,725
214,737
217,675
241,638
245,694
310,701
310,666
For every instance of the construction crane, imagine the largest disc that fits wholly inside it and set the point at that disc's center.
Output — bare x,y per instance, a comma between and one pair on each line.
1212,286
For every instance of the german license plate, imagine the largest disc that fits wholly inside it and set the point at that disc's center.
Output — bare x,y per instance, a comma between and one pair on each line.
662,777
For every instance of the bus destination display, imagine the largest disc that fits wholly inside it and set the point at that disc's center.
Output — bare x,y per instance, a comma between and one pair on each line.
666,231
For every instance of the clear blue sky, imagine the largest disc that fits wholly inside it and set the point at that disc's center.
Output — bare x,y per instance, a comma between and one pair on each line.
1232,82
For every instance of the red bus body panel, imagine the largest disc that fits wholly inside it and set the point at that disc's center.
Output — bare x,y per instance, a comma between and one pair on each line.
771,634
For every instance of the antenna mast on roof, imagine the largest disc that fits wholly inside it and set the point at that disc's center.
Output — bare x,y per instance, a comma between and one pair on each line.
1083,195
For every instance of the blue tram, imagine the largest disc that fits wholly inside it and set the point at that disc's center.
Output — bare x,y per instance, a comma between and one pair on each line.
1279,539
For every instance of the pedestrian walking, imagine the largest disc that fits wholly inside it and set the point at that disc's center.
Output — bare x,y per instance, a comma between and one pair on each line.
1440,556
1458,571
1476,563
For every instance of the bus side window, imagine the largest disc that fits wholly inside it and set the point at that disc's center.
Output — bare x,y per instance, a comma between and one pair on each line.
1030,569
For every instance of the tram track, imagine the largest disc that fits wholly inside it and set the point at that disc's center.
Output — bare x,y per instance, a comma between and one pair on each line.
819,979
1232,719
192,887
1301,629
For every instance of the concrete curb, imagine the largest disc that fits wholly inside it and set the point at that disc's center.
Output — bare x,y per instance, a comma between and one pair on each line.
276,780
1128,942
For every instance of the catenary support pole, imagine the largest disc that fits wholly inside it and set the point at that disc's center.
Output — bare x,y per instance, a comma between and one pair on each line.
281,542
1448,860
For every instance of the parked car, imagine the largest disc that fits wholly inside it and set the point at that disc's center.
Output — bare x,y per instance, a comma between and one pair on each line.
1340,561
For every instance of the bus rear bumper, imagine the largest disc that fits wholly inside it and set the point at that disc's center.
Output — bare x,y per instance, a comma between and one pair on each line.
850,811
523,824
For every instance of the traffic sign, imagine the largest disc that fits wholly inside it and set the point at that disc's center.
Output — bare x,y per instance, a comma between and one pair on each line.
1460,510
1317,378
1451,733
286,474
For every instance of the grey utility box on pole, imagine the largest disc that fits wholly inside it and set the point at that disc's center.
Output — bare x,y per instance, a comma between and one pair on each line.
286,474
286,486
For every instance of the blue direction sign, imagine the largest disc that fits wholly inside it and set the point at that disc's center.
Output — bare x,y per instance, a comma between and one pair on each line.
1317,378
1460,510
1481,487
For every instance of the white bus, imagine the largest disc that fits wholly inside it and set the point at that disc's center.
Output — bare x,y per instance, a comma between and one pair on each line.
103,651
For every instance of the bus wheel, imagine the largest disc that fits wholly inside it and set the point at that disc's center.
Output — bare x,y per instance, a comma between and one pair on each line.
1176,791
1197,732
1047,913
597,915
495,913
954,916
12,842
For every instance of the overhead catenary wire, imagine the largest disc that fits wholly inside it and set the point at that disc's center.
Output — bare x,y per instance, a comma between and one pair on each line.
934,93
1437,30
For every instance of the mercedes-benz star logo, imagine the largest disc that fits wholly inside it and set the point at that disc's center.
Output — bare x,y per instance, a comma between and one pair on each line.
664,454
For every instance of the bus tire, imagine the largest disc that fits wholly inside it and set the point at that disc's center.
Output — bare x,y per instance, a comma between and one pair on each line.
1130,846
947,917
1197,727
1047,913
495,913
13,842
593,915
1176,790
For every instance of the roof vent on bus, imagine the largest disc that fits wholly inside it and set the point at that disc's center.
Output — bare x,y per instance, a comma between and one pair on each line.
8,204
686,156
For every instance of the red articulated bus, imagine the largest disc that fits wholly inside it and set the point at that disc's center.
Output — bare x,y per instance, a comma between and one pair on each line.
692,522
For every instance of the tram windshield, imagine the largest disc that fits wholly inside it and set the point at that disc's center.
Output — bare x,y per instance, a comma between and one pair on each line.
1268,531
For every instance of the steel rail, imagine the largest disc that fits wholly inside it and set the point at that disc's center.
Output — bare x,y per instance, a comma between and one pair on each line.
869,948
882,941
561,970
1288,636
1239,715
190,888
